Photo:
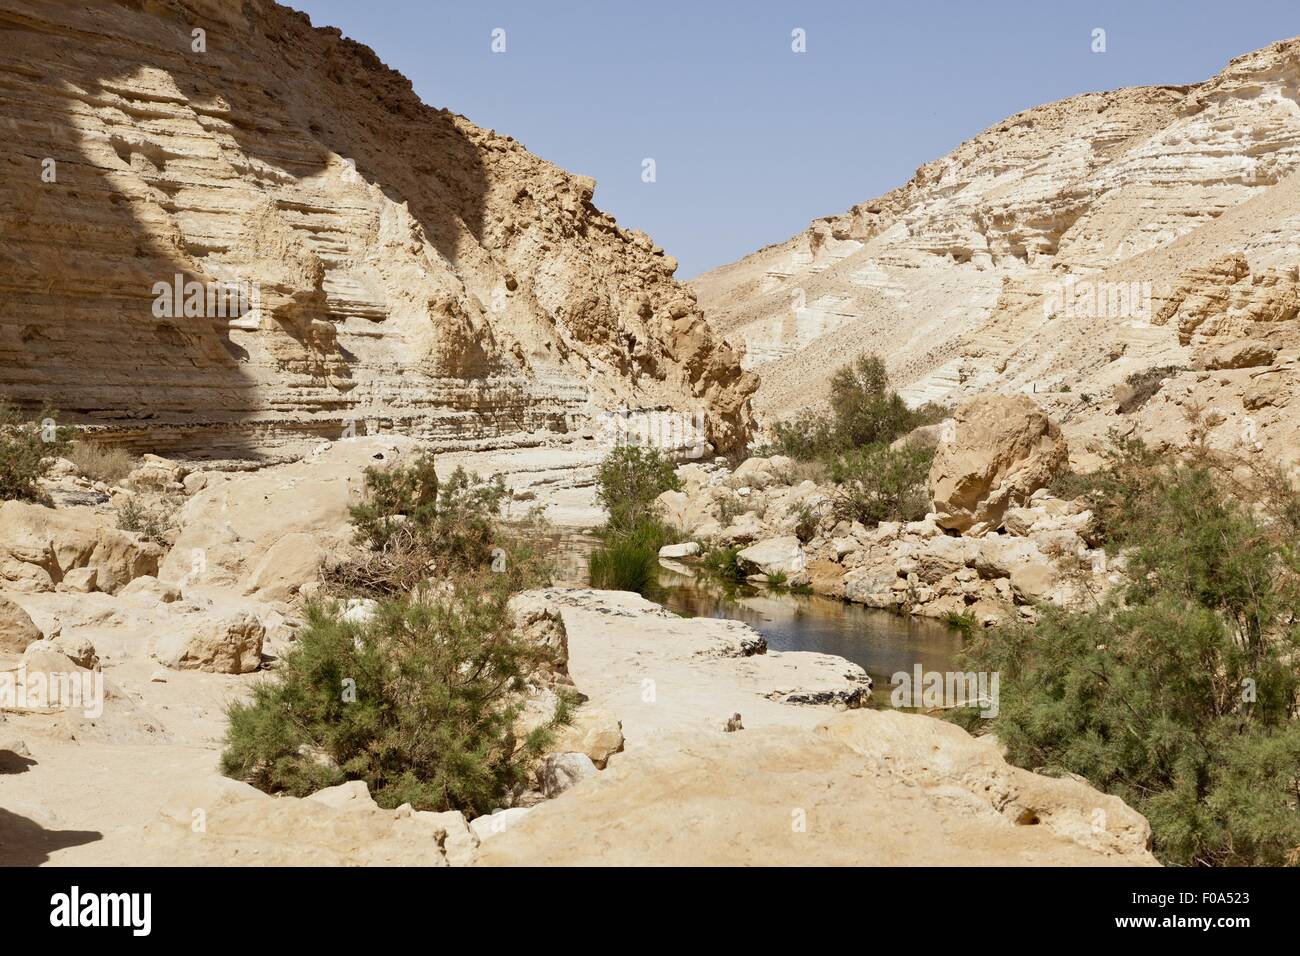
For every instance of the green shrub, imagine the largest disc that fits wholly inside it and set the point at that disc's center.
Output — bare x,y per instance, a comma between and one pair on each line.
725,563
1130,476
1179,693
808,435
410,526
864,411
964,622
629,480
807,521
454,519
395,499
878,483
154,521
628,560
27,450
419,703
100,463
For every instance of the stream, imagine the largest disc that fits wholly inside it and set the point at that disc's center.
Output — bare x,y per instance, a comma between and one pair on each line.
882,642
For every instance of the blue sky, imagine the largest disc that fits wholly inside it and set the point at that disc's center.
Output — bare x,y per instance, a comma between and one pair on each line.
751,140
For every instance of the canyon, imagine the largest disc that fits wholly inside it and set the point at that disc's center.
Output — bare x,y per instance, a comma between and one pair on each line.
414,272
417,284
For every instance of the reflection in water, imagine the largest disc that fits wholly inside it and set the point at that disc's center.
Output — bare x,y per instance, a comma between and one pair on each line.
881,642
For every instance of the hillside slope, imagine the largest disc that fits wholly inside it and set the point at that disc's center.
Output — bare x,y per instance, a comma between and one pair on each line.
411,270
1059,253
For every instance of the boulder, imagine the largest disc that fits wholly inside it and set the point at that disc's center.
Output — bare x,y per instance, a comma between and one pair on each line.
826,577
686,549
149,587
592,731
45,656
1030,571
542,625
287,565
672,508
77,649
1019,521
221,645
1004,448
873,587
80,581
752,473
744,529
558,772
782,555
453,833
157,473
16,629
358,610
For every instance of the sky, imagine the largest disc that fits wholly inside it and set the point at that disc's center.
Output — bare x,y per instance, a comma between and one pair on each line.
752,140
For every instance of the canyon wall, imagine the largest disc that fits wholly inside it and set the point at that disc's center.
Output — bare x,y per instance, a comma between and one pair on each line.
1060,253
387,265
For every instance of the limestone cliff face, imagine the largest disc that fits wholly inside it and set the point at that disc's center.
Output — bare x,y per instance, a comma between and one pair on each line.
1074,244
403,267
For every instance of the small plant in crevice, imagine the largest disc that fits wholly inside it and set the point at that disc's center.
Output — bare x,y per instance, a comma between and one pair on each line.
154,520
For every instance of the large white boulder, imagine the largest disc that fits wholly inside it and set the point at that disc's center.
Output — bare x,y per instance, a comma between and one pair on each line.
783,555
686,549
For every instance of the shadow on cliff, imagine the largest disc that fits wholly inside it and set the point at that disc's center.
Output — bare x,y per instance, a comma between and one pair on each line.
273,108
25,842
323,99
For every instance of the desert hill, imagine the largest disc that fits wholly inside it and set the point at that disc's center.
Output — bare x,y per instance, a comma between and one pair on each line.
1061,252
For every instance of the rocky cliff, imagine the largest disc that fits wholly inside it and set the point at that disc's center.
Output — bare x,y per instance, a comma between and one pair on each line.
227,231
1062,252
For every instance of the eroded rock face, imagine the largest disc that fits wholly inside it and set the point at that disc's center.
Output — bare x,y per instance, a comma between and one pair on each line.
39,546
386,265
1003,449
